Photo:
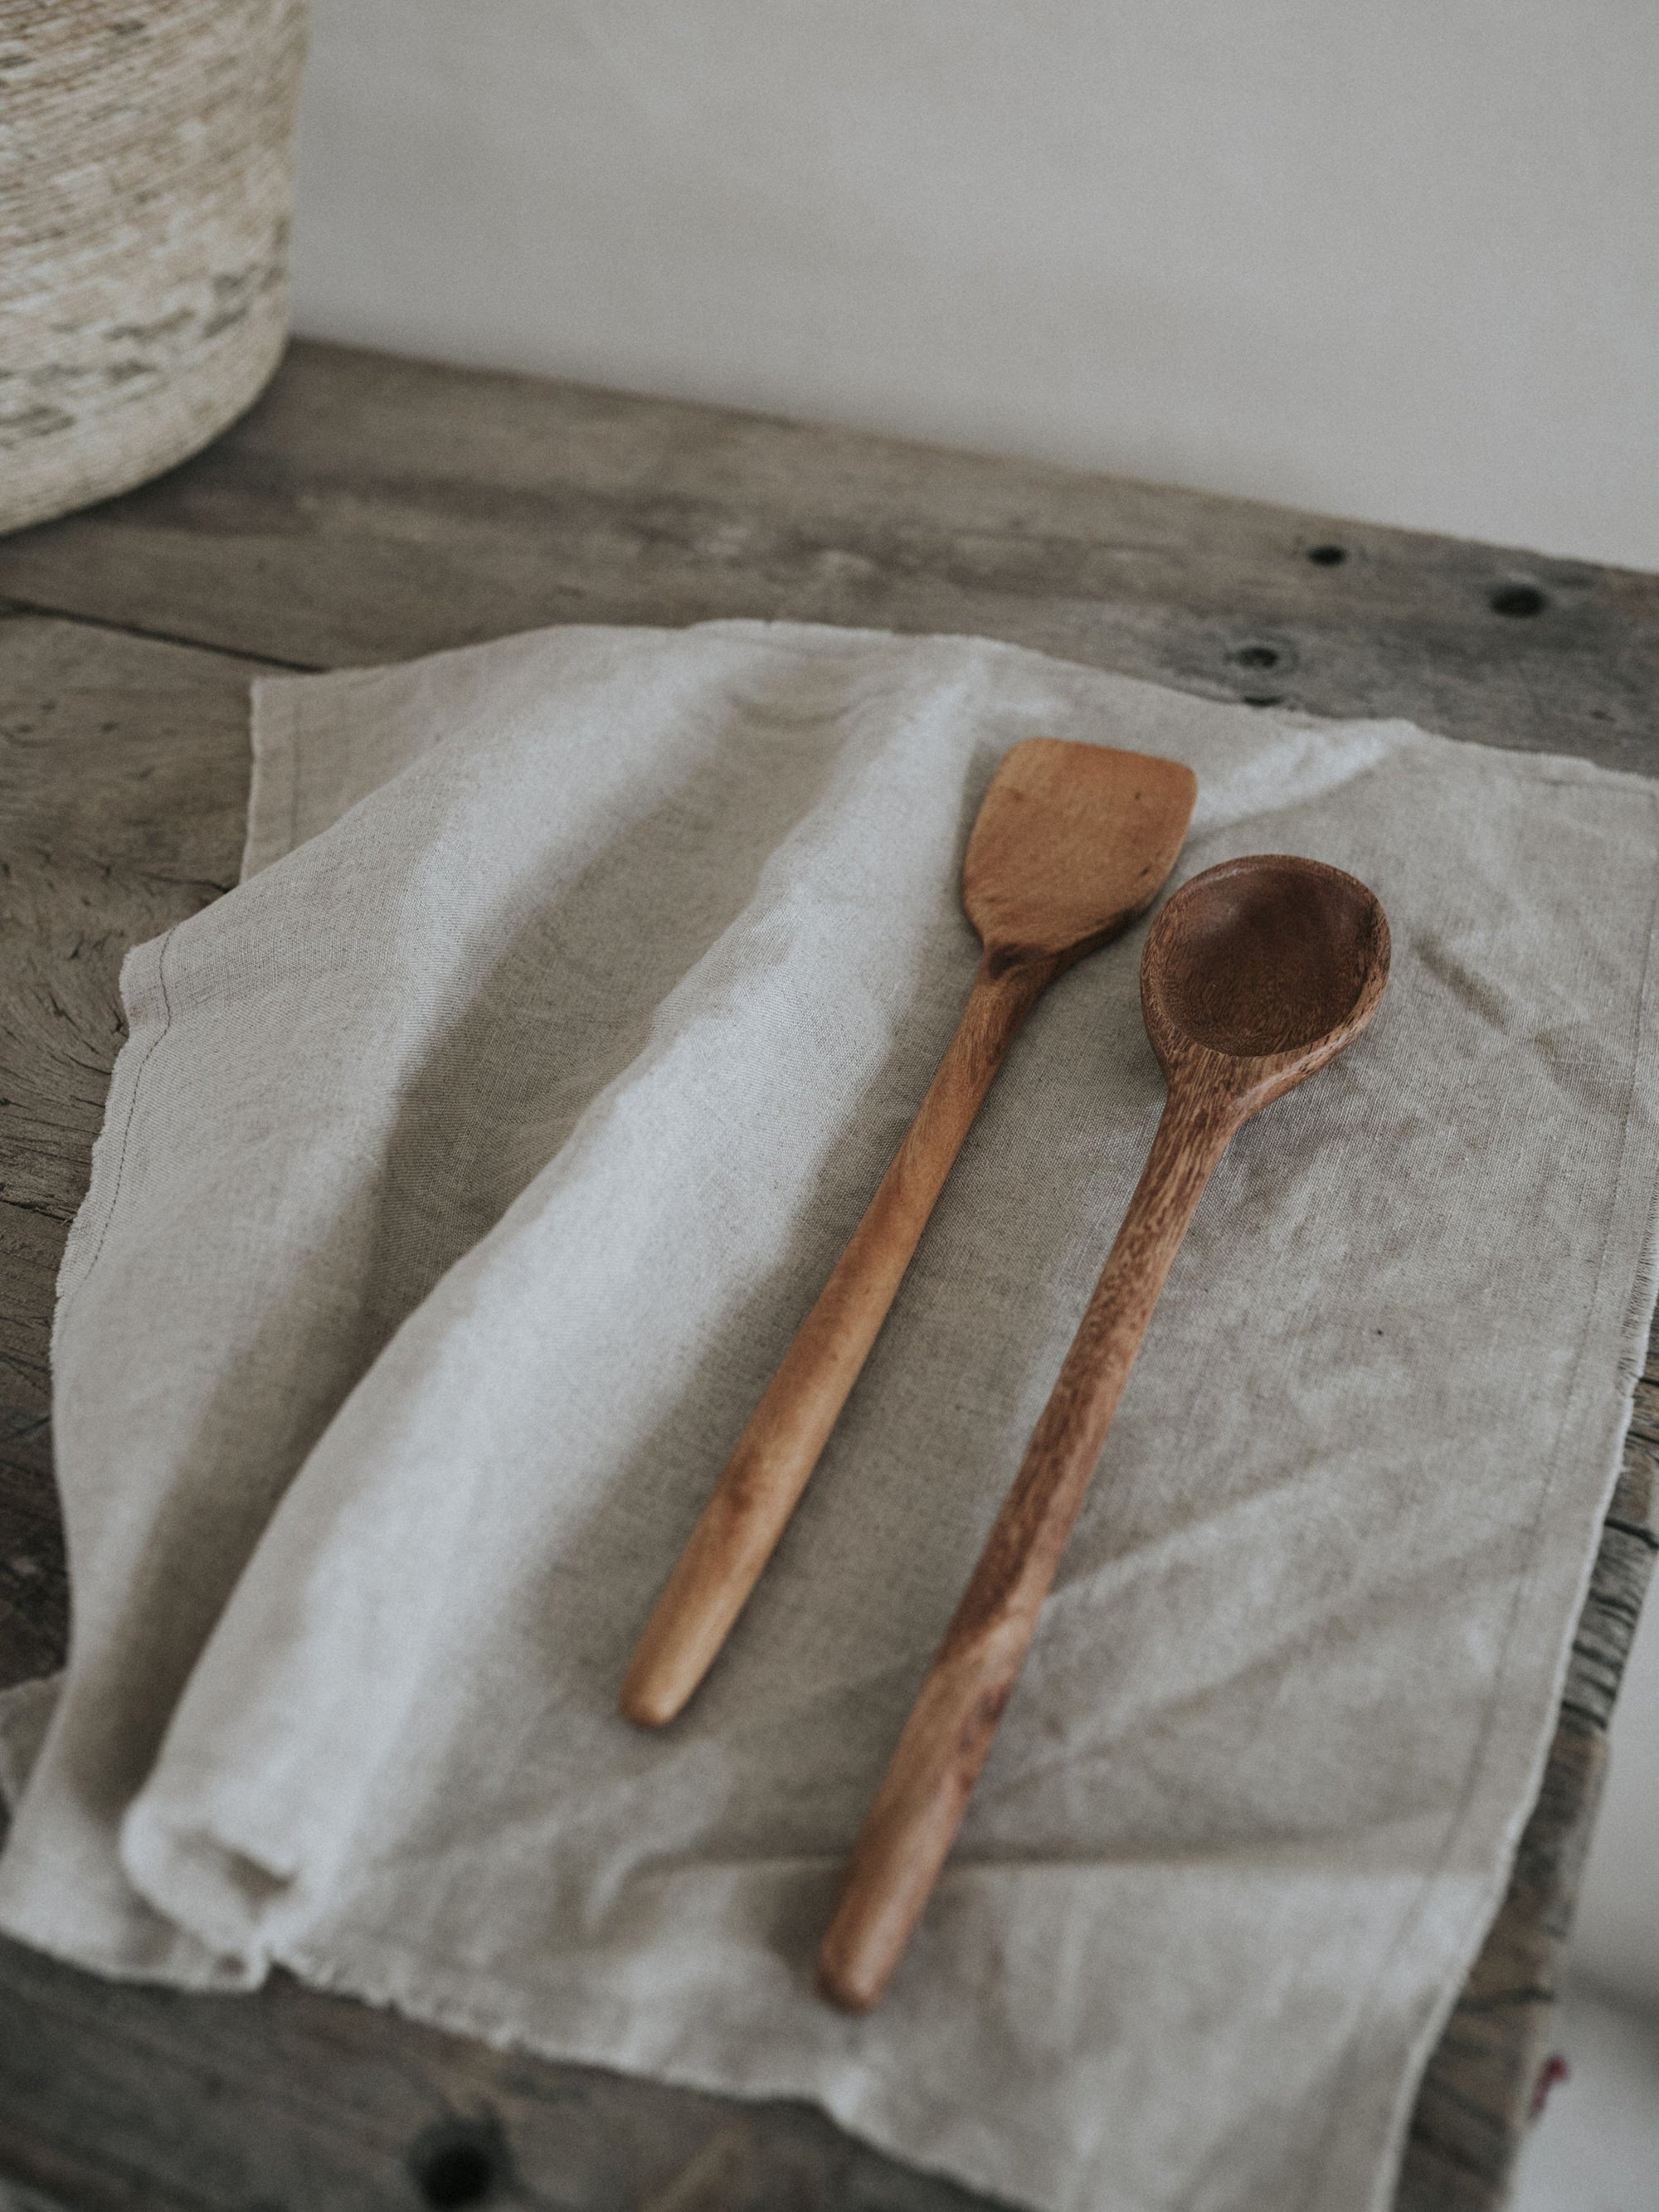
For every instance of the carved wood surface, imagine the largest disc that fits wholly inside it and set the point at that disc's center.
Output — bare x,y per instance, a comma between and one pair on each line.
370,508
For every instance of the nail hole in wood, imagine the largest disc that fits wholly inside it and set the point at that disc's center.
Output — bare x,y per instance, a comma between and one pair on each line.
1328,556
456,2167
1257,656
1517,599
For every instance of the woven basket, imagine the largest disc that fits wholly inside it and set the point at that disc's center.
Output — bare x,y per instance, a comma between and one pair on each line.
146,178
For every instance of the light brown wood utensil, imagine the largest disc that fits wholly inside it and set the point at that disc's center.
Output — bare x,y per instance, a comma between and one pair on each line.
1254,975
1071,844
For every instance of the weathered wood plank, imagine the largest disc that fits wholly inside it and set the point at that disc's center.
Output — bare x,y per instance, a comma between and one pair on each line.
299,2100
123,789
369,508
372,508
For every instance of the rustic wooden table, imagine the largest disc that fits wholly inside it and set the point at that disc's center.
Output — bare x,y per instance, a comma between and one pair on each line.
370,508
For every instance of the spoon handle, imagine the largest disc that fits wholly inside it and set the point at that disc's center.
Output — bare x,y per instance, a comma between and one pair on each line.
909,1827
776,1453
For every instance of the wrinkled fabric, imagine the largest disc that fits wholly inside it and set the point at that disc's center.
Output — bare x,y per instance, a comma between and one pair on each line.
465,1175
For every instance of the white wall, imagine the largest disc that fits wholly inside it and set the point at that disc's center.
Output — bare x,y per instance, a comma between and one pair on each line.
1397,260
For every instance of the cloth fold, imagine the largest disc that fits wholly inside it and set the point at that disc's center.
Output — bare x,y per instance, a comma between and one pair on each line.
466,1172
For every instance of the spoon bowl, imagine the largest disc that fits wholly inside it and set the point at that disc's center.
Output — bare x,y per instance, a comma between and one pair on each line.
1261,971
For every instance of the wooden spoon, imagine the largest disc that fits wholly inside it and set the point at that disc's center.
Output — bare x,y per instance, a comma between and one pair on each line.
1254,975
1071,844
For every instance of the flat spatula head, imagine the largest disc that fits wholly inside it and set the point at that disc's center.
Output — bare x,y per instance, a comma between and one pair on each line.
1072,843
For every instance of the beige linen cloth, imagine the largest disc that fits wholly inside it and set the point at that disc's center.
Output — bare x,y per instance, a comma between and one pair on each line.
466,1173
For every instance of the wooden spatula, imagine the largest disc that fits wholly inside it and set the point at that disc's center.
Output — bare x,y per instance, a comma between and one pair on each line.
1071,844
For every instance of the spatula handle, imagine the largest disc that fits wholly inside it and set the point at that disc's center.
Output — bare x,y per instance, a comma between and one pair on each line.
922,1797
776,1453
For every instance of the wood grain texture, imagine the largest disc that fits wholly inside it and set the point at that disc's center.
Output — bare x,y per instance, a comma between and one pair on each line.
1072,843
123,791
1254,976
369,507
305,2102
